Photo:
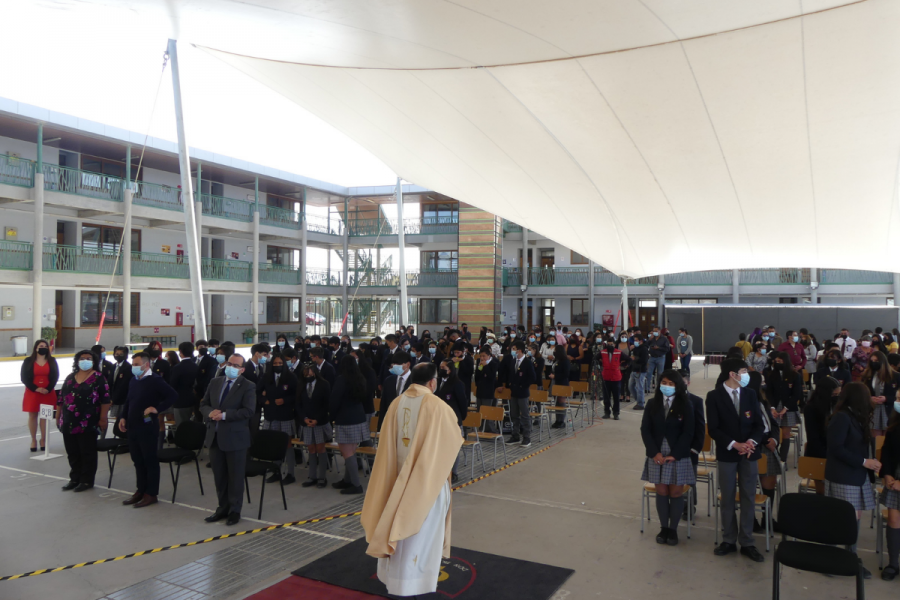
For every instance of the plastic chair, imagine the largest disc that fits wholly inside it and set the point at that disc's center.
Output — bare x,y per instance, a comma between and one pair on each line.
189,438
266,454
563,391
814,547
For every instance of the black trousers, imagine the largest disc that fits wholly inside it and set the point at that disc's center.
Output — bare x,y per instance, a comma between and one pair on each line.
143,444
81,450
611,390
229,469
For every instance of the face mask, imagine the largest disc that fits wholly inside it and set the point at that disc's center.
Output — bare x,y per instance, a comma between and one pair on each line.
278,368
231,372
610,346
445,373
84,365
667,390
137,371
43,351
103,356
844,336
795,339
745,379
119,358
830,362
551,343
512,335
281,344
413,354
655,334
896,406
202,351
578,333
220,358
778,366
432,351
762,351
599,341
312,344
154,354
530,353
263,359
636,343
624,339
875,365
406,347
397,370
866,344
552,333
531,338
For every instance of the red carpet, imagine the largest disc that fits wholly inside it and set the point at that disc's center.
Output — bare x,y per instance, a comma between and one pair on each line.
301,588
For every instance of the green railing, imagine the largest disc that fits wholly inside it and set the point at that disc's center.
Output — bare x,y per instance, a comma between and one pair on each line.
274,273
432,278
279,217
372,227
773,276
170,266
510,227
15,255
157,195
320,224
76,259
216,269
700,278
374,278
16,171
538,276
605,278
82,183
227,208
323,277
431,226
851,277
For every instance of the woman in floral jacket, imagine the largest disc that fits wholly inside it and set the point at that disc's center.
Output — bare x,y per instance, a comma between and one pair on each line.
83,404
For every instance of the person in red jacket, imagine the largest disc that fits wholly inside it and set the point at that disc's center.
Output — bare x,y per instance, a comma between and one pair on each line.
794,349
612,378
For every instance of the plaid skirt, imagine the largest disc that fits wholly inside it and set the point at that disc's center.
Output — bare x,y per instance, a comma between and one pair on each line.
352,434
879,417
773,464
862,497
288,427
320,434
890,499
680,472
790,418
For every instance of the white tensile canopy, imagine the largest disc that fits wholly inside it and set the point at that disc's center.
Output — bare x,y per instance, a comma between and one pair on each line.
653,136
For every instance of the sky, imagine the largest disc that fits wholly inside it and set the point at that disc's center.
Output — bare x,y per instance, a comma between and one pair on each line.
97,65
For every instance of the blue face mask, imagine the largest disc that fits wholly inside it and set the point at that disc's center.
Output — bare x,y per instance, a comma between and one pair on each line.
263,359
897,406
795,339
413,354
312,344
432,350
624,339
762,350
667,390
745,379
531,339
655,334
103,356
530,353
551,343
397,370
85,365
636,343
220,358
406,347
281,344
231,372
137,371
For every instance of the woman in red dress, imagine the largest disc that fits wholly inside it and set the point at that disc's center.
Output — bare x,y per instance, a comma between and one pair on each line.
39,376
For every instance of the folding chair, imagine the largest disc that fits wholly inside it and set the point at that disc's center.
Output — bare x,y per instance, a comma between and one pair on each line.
491,414
503,395
540,398
648,490
266,453
189,438
810,470
760,501
583,405
473,421
111,446
563,391
545,383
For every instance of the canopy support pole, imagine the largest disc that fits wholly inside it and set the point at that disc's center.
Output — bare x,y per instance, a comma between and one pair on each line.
735,286
814,287
524,278
37,248
402,313
254,273
303,267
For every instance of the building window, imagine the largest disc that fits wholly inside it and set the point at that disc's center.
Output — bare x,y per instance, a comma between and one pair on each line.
437,311
106,166
441,259
92,304
692,300
577,259
442,210
580,311
283,256
282,310
107,238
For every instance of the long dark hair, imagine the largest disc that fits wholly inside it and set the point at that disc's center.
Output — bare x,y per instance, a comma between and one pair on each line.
559,354
680,401
349,370
788,374
94,358
856,400
364,352
884,372
453,378
822,400
270,373
34,350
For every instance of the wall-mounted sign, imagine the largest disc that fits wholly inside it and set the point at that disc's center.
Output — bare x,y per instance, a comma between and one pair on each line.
166,249
164,312
235,255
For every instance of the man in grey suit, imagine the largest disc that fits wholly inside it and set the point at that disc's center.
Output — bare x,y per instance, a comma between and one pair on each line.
227,407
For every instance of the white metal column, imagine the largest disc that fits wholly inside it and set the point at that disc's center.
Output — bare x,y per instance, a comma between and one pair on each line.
624,320
346,270
814,285
524,279
661,286
37,269
736,286
254,304
591,319
303,246
402,313
897,295
187,200
127,200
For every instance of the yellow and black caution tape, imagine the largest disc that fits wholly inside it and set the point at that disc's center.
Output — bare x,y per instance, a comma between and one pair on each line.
251,531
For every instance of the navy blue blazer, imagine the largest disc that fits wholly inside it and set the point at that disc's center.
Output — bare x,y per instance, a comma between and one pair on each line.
846,451
522,378
699,423
678,429
328,373
486,379
726,425
388,393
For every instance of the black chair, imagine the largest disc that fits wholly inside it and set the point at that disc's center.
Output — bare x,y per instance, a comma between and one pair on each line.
820,520
266,454
111,446
189,438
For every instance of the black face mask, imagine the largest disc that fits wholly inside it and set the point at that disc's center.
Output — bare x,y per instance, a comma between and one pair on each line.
343,344
778,366
43,351
120,358
154,353
610,346
874,365
844,336
202,351
309,379
830,362
277,368
445,374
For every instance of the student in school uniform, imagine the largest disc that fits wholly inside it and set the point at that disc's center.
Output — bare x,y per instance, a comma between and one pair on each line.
770,440
558,377
523,376
316,431
667,429
890,497
815,420
277,392
883,383
784,387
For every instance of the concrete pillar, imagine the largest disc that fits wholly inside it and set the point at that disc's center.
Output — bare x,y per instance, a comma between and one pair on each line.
37,271
303,247
346,270
662,300
897,295
624,320
736,286
524,280
126,265
254,269
198,208
403,315
591,295
814,280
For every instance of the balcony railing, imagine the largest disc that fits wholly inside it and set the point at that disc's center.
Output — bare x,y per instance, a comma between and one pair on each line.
700,278
432,278
415,226
851,277
510,227
157,195
320,224
16,171
77,259
170,266
15,255
283,274
227,208
278,217
774,276
82,183
323,277
216,269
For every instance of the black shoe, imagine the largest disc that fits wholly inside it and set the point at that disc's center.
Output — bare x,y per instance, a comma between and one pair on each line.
220,514
662,536
525,443
70,486
867,574
616,417
757,526
725,548
342,485
606,415
637,407
83,486
352,490
753,554
672,540
321,484
513,440
209,465
274,478
233,518
309,483
558,425
889,573
288,480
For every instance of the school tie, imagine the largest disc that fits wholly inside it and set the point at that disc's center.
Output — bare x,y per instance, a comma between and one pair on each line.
309,389
225,391
399,385
737,401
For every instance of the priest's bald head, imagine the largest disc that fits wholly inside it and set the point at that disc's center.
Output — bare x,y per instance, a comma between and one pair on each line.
425,374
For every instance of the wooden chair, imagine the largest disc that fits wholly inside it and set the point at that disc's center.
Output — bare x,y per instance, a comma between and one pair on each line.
564,391
583,405
810,470
760,502
540,398
707,456
492,414
377,403
585,369
648,490
373,430
473,421
545,384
